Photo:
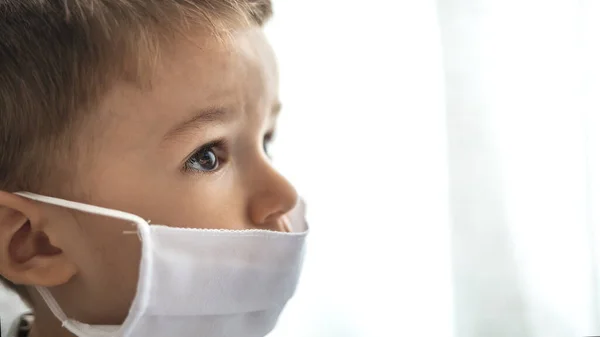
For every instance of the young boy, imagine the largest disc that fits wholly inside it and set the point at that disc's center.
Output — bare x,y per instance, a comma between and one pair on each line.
120,114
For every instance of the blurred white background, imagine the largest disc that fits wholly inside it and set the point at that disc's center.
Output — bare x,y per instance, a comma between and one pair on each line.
450,155
363,136
449,152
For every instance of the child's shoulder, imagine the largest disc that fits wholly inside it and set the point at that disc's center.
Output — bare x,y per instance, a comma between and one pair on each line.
22,326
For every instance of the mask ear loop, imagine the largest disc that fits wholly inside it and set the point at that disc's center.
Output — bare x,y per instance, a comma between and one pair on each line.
52,305
135,232
74,326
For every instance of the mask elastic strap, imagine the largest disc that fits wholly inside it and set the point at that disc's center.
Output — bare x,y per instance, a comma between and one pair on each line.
52,304
91,209
75,327
143,230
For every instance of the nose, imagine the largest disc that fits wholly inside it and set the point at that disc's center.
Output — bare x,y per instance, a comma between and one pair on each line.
272,199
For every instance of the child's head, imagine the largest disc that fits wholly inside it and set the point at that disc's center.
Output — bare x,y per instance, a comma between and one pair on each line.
161,108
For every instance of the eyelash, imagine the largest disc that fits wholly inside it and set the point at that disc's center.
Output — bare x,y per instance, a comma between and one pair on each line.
220,148
268,138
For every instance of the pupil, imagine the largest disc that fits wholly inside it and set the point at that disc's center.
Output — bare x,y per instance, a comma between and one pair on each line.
208,160
267,145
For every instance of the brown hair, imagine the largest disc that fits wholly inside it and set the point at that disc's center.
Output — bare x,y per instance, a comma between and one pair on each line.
58,57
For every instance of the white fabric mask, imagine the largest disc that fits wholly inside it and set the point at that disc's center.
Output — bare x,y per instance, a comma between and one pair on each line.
190,286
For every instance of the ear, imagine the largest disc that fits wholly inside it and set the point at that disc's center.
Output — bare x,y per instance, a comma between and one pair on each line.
27,254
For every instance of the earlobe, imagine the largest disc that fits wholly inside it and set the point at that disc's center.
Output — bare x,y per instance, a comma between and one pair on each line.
27,256
45,271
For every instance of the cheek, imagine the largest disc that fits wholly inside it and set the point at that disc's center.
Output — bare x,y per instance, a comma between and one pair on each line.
172,198
213,201
99,237
108,261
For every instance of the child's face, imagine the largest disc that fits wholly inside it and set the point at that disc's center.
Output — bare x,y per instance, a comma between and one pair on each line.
189,152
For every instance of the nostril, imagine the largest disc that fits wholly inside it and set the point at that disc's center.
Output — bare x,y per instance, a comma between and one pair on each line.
286,224
278,222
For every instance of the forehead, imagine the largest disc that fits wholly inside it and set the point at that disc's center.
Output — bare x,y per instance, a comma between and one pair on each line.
199,72
215,66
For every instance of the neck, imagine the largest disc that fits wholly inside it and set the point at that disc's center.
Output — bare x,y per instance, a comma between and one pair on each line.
47,325
44,326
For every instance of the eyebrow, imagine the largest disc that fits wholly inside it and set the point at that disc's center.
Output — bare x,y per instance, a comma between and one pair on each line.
276,109
209,115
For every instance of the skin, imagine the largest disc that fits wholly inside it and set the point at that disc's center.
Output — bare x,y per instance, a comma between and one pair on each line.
138,160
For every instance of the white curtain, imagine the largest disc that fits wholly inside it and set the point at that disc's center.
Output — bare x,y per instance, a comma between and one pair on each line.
363,136
450,155
522,86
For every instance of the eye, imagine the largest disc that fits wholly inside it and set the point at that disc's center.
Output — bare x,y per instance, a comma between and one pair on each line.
205,159
267,142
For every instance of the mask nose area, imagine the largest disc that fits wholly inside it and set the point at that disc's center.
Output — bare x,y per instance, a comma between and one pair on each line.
296,218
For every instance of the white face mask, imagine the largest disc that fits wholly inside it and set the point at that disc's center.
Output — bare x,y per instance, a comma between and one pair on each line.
186,288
